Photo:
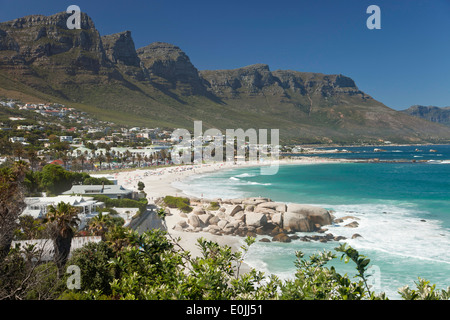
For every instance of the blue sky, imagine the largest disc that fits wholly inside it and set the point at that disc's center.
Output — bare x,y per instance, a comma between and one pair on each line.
407,62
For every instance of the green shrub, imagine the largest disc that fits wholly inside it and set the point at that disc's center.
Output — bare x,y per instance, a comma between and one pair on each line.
178,202
213,206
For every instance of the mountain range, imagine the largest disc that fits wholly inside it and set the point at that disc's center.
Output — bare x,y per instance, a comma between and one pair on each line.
430,113
41,60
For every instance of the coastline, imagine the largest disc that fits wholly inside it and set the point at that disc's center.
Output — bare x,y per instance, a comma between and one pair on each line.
159,183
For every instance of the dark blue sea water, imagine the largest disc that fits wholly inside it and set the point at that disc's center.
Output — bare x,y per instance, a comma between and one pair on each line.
402,208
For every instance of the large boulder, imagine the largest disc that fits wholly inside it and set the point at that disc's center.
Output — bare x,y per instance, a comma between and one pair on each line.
297,222
204,218
281,237
195,221
255,219
277,219
222,224
240,216
316,215
277,206
198,211
233,210
353,224
214,220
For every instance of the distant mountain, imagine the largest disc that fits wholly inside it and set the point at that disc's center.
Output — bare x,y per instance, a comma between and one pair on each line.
430,113
157,85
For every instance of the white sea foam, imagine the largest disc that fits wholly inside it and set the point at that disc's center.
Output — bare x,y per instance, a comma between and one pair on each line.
396,230
245,175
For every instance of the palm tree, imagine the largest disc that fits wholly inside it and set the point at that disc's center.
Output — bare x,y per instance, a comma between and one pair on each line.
99,224
33,158
82,159
63,220
139,159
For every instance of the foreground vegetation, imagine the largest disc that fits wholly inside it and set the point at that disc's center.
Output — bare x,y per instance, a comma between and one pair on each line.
153,265
131,266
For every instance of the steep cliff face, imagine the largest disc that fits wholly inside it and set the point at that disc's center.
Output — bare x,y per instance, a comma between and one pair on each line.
43,41
430,113
120,50
171,68
259,80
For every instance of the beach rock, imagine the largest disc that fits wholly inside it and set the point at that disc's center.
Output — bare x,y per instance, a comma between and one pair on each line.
277,219
240,216
266,211
281,237
356,235
205,218
250,208
353,224
222,224
297,222
277,206
316,215
260,231
214,220
236,201
234,224
198,211
182,223
233,210
264,240
349,217
214,229
276,231
339,238
255,219
194,221
177,227
251,234
252,202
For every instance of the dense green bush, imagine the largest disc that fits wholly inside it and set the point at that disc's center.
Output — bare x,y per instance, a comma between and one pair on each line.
123,203
178,202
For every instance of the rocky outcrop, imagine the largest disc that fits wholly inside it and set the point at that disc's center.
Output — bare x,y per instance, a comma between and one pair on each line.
258,216
430,113
257,79
33,39
119,48
171,68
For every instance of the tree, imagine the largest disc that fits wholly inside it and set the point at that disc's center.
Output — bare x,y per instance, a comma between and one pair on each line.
99,225
33,158
93,260
55,179
63,221
12,203
141,186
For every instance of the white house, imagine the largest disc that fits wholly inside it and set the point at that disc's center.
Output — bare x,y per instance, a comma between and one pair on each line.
65,138
37,207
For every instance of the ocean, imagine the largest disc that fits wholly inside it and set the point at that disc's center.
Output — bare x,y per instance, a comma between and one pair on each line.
402,208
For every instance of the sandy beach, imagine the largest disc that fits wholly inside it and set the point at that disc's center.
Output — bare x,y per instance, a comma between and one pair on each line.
158,183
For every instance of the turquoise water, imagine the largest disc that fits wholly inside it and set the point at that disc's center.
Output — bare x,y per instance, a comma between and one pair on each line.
403,212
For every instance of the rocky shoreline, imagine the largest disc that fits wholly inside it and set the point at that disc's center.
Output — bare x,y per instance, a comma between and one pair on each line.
275,221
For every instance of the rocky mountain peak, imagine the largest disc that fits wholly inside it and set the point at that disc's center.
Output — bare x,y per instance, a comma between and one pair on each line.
119,48
174,68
